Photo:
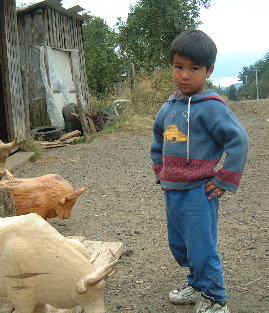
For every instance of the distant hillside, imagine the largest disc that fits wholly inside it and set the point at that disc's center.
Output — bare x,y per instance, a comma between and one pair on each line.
237,86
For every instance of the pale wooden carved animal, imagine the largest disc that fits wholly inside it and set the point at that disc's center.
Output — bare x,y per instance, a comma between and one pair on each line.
39,266
5,150
49,195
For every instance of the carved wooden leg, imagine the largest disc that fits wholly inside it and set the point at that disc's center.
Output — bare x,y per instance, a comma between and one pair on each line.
10,177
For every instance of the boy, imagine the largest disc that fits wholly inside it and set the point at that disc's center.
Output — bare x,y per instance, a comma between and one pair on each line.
191,132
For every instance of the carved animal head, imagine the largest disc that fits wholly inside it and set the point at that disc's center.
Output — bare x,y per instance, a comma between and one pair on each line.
94,278
90,289
5,149
67,203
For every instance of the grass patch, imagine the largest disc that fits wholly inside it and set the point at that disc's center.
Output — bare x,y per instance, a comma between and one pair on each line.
113,127
31,145
138,124
78,140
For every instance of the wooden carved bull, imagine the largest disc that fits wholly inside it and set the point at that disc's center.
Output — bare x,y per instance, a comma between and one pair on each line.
49,195
39,266
5,150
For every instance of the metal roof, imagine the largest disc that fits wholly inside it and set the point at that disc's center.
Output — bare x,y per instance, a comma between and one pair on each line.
57,5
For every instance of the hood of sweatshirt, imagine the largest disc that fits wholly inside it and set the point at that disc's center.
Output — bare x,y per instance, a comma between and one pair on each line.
207,94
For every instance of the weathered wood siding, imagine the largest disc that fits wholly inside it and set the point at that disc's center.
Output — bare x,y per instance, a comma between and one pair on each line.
65,32
45,26
11,72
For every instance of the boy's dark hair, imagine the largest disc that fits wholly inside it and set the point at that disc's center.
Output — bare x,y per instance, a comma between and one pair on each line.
196,46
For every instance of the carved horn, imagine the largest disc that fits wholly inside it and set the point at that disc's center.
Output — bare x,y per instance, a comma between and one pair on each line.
72,196
100,273
8,146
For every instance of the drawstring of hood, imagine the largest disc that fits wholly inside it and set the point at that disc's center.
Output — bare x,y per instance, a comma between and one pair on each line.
188,131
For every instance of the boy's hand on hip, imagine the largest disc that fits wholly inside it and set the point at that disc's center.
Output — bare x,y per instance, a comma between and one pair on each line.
217,191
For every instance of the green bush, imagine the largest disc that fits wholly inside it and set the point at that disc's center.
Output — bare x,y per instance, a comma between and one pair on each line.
152,90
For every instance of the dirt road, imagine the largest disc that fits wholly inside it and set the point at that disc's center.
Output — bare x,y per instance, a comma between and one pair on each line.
123,204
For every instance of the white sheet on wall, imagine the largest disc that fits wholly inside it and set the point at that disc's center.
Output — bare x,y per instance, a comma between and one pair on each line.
57,77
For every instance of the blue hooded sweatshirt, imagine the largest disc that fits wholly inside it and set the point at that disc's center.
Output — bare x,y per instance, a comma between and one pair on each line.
190,136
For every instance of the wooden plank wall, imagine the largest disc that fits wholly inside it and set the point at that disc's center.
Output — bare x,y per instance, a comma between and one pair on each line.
15,113
32,34
65,32
3,96
48,27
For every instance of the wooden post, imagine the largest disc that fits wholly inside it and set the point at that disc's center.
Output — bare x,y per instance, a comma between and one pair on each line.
76,74
25,86
132,80
7,207
82,117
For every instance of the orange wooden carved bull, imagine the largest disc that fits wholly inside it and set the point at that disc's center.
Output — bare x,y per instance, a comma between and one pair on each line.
49,195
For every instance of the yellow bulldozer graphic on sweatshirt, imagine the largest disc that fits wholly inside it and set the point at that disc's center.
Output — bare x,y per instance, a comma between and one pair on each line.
173,134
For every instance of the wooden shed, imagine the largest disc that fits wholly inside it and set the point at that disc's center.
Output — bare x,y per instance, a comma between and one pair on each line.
51,49
12,109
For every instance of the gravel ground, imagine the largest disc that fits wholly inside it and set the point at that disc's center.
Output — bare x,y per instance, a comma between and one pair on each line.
123,203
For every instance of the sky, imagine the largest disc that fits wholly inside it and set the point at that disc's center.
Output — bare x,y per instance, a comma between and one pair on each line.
238,27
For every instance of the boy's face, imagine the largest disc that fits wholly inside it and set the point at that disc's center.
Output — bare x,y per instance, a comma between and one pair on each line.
189,77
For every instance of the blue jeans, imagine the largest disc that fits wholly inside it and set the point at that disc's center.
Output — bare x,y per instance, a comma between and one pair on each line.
192,222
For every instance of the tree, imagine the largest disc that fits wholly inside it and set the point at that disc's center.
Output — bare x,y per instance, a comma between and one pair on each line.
248,77
152,25
104,66
244,75
233,93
